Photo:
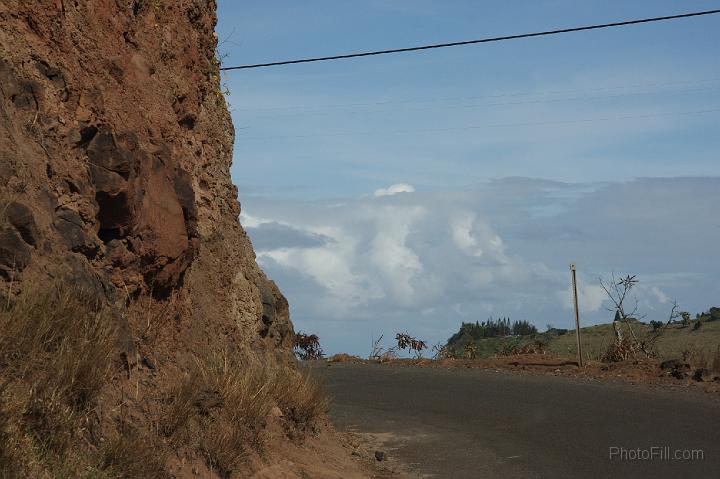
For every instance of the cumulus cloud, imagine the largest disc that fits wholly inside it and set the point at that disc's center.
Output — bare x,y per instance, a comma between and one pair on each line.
389,254
404,253
249,221
461,228
427,261
591,298
272,235
395,189
660,295
329,267
476,238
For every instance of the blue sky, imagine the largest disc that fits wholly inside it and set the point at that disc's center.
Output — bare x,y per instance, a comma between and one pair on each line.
517,158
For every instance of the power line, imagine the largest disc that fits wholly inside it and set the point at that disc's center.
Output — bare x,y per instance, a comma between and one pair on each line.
492,125
472,42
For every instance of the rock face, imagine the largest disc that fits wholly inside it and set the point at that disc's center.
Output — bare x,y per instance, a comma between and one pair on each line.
115,149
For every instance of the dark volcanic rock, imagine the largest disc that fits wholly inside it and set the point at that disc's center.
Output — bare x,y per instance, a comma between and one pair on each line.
21,217
703,375
71,228
103,151
673,364
14,254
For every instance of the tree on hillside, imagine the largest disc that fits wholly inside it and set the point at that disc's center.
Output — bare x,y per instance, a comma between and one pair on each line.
713,314
471,332
620,292
523,328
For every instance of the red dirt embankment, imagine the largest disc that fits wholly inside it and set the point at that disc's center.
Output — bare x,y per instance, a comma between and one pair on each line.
115,152
115,148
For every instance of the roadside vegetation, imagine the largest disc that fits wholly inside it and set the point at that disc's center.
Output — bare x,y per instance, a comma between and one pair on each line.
307,347
674,341
56,352
632,347
629,336
69,406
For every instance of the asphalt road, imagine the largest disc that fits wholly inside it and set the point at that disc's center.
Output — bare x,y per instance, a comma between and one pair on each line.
470,423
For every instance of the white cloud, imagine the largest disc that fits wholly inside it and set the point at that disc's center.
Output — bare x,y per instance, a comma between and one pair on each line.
389,253
395,189
249,221
328,266
476,238
332,266
461,228
427,261
660,295
591,298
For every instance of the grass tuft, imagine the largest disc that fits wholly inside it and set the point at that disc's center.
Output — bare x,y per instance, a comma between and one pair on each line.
134,453
55,354
227,398
300,398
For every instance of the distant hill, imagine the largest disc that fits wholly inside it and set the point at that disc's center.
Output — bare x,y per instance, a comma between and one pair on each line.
677,338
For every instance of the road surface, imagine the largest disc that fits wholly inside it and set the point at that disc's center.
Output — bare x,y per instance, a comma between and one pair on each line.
472,423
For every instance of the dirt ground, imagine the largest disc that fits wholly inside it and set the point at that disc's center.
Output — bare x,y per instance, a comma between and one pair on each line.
326,454
329,455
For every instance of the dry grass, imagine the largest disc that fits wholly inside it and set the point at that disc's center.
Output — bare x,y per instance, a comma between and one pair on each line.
57,350
670,345
57,371
134,453
344,358
222,405
380,353
702,358
299,397
534,347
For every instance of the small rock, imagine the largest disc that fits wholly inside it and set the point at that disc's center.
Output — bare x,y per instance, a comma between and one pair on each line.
673,364
21,217
71,228
380,455
678,374
148,363
14,253
703,375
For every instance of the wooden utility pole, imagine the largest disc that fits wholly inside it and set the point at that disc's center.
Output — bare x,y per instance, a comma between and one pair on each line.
577,314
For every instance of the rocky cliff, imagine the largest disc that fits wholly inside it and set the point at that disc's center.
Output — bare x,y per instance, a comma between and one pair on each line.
115,148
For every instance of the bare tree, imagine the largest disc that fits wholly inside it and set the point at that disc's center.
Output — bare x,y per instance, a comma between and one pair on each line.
379,353
441,351
405,341
620,291
674,314
307,347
